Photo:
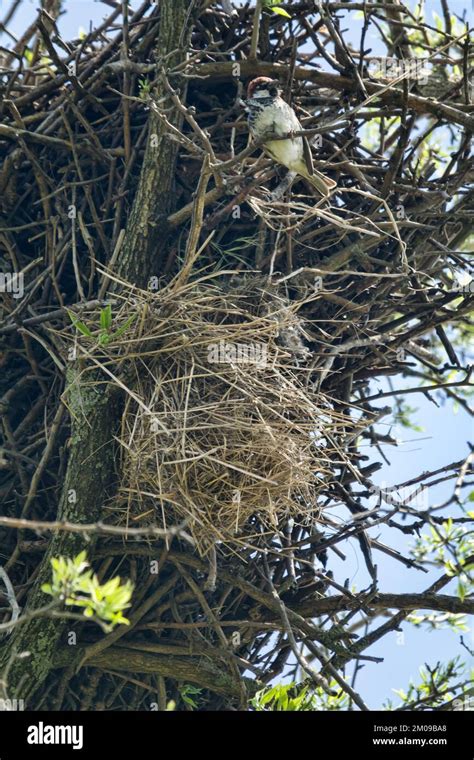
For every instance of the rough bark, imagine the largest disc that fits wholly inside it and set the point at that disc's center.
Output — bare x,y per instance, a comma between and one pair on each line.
144,245
203,672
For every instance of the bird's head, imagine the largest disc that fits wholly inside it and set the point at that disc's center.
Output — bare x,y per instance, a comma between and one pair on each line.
263,87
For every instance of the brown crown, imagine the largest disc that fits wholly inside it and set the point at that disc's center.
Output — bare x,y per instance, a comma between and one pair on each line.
258,81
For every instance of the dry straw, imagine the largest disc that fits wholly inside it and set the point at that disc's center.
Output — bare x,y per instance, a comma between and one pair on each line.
220,426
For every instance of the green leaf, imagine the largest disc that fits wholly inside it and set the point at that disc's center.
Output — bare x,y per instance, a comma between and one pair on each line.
269,696
106,317
280,11
187,693
80,325
124,327
83,329
80,561
74,585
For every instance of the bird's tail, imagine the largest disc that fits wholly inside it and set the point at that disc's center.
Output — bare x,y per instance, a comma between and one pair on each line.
322,184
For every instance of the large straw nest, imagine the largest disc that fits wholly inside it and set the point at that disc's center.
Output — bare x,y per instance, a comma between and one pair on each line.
221,428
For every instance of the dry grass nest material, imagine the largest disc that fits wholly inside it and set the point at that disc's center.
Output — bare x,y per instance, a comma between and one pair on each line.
221,427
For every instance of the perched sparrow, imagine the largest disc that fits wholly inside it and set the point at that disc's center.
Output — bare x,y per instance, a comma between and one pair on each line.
269,114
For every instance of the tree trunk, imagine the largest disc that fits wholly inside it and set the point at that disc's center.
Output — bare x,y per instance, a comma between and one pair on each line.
95,406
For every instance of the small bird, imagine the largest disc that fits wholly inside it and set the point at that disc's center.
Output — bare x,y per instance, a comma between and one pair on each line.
270,114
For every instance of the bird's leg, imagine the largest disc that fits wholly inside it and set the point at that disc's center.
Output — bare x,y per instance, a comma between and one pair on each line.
281,189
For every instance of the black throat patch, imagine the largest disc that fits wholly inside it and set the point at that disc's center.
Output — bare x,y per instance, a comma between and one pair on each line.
255,106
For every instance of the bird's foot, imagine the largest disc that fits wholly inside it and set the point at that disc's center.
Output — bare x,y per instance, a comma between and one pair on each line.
281,189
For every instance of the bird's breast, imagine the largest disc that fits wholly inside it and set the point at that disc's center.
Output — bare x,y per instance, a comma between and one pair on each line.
286,152
267,117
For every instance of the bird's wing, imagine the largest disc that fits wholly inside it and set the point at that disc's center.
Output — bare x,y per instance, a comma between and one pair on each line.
296,126
308,158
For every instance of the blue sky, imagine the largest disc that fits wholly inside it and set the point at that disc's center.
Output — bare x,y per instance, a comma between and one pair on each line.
79,13
442,440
